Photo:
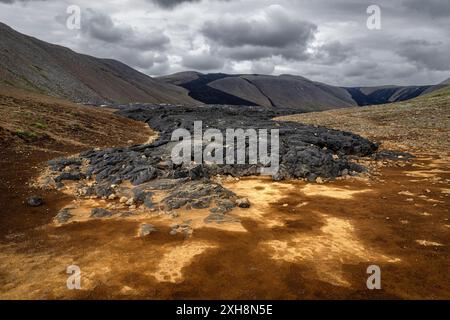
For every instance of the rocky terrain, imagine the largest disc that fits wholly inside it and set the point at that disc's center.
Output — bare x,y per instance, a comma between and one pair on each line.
32,64
101,194
35,128
134,174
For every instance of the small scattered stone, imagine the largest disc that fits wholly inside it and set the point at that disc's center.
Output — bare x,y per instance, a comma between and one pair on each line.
123,200
149,203
63,216
146,229
35,201
85,191
72,176
100,213
187,232
243,203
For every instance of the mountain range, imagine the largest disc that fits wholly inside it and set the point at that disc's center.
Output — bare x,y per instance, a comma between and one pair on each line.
288,91
32,64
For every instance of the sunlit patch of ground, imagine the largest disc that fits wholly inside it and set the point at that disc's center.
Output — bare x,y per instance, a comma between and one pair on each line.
195,218
427,243
312,190
434,173
27,274
323,231
170,267
336,244
262,192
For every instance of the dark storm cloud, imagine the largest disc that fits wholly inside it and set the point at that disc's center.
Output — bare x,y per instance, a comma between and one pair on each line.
250,53
272,33
204,62
102,36
434,8
171,3
100,26
278,30
334,52
246,52
359,69
426,54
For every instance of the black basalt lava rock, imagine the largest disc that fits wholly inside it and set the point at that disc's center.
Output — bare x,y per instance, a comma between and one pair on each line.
100,213
35,201
392,155
63,216
305,151
74,176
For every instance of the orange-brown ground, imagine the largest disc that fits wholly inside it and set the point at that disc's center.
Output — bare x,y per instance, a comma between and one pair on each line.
297,241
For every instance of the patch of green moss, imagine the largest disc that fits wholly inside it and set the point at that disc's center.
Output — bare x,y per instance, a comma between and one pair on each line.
40,125
26,135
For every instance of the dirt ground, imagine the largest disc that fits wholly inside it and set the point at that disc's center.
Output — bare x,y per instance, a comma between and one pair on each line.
297,241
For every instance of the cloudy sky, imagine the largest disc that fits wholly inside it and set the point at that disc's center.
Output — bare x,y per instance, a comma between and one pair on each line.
324,40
